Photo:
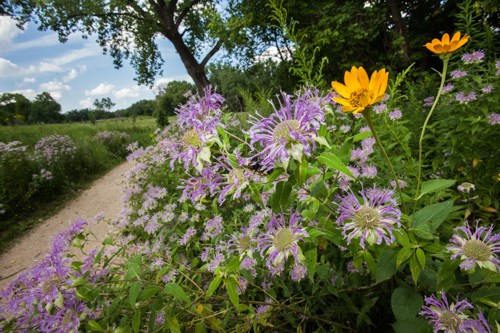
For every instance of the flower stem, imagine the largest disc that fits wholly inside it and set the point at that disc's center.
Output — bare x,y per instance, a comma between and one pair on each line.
421,140
369,120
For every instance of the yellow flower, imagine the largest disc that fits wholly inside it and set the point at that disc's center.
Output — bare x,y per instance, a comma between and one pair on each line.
359,92
445,45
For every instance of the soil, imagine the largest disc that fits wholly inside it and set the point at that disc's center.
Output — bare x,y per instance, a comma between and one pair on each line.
103,196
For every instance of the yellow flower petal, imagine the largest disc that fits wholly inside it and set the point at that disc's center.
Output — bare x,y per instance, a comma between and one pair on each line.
445,45
363,78
341,89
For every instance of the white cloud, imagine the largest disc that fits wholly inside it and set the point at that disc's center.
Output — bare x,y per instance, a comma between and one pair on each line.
72,74
49,67
29,80
128,93
8,68
162,82
57,95
275,54
8,31
89,49
28,93
44,41
54,85
86,103
101,89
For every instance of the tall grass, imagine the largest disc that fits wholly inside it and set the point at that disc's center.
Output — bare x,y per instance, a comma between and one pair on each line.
32,187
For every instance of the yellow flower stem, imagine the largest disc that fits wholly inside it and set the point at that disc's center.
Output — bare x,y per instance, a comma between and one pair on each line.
445,59
368,118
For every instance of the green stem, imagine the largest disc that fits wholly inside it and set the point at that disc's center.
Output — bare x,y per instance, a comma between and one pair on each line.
369,120
424,127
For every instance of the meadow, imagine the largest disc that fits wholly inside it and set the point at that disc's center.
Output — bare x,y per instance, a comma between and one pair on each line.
368,207
43,166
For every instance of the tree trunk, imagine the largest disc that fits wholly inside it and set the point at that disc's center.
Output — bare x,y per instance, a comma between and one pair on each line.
401,28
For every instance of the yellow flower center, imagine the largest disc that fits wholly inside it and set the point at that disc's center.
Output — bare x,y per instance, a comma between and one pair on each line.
245,242
366,217
450,320
191,139
477,250
361,97
282,130
236,174
283,239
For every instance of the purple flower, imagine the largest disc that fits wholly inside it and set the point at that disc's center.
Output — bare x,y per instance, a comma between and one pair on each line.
479,247
202,113
190,232
345,128
457,74
380,108
280,241
487,89
494,118
464,99
372,220
466,187
290,130
428,101
401,183
474,57
54,147
197,188
245,242
452,318
395,115
213,227
447,88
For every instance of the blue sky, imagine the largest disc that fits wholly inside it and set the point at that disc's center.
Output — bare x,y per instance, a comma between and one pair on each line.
74,73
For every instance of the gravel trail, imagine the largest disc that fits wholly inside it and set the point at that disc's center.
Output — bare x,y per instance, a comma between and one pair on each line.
104,195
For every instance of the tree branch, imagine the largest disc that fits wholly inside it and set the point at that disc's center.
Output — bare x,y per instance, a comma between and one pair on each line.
210,54
184,12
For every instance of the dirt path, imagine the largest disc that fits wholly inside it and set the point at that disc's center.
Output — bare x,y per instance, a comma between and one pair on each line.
104,196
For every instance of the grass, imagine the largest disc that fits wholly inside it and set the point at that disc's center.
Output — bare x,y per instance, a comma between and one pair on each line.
93,159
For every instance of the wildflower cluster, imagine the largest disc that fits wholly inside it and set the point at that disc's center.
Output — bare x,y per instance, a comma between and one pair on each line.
52,148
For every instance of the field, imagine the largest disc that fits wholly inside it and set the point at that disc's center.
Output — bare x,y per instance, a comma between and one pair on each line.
38,175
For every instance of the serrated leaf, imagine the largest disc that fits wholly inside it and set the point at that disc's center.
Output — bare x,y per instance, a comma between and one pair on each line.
95,326
386,266
136,321
133,267
234,265
420,257
175,290
311,255
435,185
428,219
172,324
281,198
361,136
213,286
405,303
148,292
403,255
232,291
275,174
415,269
134,290
332,161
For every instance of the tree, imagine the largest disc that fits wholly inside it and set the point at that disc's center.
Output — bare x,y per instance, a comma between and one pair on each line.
198,29
172,96
14,108
45,109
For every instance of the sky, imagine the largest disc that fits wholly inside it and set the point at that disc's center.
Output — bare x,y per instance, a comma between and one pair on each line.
74,73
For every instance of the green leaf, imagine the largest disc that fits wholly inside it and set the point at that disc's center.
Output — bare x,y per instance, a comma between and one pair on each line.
404,254
280,200
175,290
301,171
319,190
136,321
232,291
148,292
428,219
173,324
234,265
386,266
490,293
405,303
361,136
134,290
416,325
275,174
95,326
420,257
415,269
332,161
133,267
213,286
311,255
435,185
